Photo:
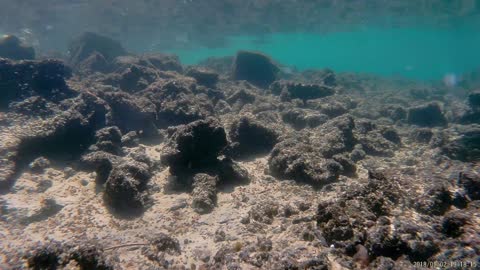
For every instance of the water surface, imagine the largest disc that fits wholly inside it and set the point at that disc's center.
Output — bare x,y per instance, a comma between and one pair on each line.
418,53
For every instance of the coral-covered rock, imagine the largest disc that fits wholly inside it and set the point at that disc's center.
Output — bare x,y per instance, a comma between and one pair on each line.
255,68
305,92
195,146
204,194
465,147
177,104
30,78
125,189
249,137
309,159
428,115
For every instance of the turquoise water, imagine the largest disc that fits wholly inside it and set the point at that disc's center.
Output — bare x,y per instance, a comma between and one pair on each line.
418,53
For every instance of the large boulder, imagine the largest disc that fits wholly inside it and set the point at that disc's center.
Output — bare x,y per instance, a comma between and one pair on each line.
11,47
315,159
24,79
250,137
125,189
427,115
255,68
84,45
195,147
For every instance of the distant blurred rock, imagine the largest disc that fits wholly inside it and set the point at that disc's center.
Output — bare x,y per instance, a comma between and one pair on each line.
466,147
474,99
427,115
88,43
11,47
255,68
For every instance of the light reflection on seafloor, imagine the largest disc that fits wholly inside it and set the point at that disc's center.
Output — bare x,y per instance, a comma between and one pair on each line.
418,53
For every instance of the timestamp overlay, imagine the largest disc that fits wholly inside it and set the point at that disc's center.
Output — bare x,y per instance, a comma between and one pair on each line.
448,264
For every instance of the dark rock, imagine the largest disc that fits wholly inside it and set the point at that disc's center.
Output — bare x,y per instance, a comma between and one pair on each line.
474,100
435,201
130,139
249,137
203,76
452,224
39,165
46,256
306,91
307,159
422,135
195,146
109,140
84,45
392,135
422,250
255,68
466,147
373,141
11,47
471,184
89,256
126,186
204,194
333,222
176,104
381,241
33,78
165,243
426,115
231,172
